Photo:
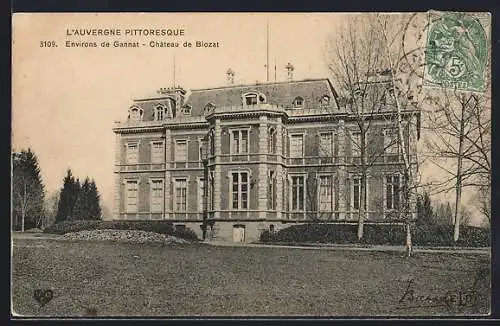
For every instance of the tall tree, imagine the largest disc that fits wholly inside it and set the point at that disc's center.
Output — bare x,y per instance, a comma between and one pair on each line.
68,197
94,212
357,62
51,203
27,191
459,144
81,210
425,213
369,67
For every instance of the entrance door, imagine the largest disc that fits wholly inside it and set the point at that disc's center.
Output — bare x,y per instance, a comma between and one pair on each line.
239,233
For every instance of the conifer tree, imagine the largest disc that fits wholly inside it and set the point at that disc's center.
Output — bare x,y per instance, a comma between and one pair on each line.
81,211
68,197
94,202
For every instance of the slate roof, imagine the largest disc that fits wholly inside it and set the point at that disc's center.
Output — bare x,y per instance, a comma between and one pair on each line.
277,93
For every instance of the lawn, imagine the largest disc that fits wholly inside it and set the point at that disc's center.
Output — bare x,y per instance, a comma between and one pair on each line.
156,280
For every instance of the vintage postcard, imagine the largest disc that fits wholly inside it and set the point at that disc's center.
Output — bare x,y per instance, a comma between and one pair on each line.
251,164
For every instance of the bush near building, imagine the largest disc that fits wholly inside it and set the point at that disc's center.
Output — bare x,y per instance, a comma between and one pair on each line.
161,227
422,235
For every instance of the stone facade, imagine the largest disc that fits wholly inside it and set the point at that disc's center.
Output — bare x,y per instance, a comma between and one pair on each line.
250,156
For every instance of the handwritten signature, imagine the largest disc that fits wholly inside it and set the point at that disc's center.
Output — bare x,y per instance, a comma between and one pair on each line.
449,299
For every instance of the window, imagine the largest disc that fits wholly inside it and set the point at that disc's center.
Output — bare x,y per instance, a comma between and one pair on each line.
254,98
326,144
180,195
159,113
392,192
200,150
156,196
356,144
135,114
297,193
186,109
132,153
391,141
356,192
325,193
296,146
131,199
272,141
157,154
251,99
325,100
298,102
181,150
208,108
239,141
211,202
201,194
239,190
272,190
211,139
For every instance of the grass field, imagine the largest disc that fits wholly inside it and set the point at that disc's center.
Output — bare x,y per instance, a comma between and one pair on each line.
155,280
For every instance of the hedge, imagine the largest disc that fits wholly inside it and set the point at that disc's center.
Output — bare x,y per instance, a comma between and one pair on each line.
162,227
424,235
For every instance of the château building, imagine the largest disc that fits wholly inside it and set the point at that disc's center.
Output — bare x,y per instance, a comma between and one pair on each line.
256,157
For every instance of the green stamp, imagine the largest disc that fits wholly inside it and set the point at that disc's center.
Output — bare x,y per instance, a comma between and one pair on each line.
457,53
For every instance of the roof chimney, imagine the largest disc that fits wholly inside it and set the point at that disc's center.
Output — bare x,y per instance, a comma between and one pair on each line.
289,68
230,76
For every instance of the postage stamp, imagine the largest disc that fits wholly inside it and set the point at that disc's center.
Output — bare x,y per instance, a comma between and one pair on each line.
457,51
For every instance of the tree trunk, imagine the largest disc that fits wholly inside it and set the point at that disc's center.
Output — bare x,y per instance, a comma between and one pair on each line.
22,221
408,239
458,187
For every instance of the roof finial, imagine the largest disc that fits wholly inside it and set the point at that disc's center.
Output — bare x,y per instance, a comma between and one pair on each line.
289,68
230,76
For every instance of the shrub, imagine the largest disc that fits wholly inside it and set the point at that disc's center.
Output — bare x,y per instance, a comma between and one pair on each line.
162,227
378,234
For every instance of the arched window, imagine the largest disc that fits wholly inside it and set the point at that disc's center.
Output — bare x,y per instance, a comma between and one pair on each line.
298,102
135,113
208,108
325,100
211,141
159,113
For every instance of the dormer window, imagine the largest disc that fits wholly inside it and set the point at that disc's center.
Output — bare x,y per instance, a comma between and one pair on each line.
135,113
186,109
208,108
254,98
325,100
298,102
159,113
251,99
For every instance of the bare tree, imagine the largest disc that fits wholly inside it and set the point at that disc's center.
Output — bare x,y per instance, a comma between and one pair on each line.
358,65
459,144
27,190
369,65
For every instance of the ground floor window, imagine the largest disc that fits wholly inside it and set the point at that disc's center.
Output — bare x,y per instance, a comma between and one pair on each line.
356,192
272,190
392,192
157,196
239,190
180,187
201,195
325,193
131,196
298,192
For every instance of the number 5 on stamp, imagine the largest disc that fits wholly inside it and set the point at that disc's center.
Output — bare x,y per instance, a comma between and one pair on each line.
457,52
